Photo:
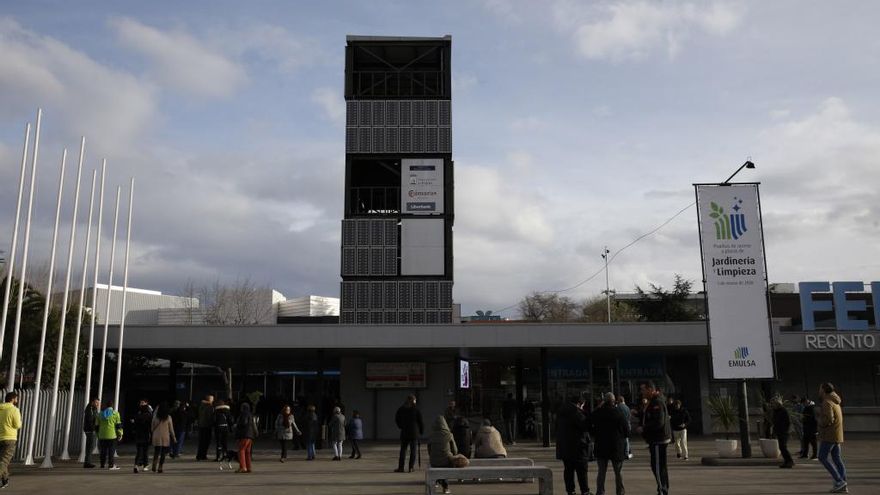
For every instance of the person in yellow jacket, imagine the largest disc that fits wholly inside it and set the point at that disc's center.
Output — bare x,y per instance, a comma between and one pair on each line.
109,425
831,436
10,423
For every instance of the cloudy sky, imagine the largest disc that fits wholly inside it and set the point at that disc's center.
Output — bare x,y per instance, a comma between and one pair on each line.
576,125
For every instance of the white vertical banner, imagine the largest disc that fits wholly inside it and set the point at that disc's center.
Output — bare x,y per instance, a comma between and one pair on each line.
732,248
421,186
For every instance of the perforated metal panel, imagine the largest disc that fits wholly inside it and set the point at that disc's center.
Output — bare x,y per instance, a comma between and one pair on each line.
364,145
418,113
362,266
351,139
404,317
445,113
348,295
392,113
377,317
363,232
405,140
404,295
432,317
418,295
431,142
392,136
351,113
432,295
445,295
362,299
377,261
431,113
418,317
445,317
390,261
349,264
444,140
346,317
376,293
365,114
378,113
362,317
390,295
389,126
405,114
349,233
390,317
418,140
391,232
377,232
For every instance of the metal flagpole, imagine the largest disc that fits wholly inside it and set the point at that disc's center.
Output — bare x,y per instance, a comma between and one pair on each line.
59,349
10,267
65,453
124,292
107,306
29,456
94,307
24,257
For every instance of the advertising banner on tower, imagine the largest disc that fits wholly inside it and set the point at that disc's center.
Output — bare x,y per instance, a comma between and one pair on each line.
732,248
421,187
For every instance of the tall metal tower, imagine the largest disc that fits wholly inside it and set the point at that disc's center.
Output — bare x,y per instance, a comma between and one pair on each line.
399,211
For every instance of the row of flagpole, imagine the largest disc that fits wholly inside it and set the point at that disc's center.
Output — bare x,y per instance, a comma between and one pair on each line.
22,282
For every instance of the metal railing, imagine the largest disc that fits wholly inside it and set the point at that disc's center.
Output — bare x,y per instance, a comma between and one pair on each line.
25,403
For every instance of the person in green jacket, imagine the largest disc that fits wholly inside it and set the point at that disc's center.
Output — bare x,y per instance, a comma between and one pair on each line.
10,423
109,425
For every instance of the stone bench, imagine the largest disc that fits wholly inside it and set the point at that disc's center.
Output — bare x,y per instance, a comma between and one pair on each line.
501,461
543,473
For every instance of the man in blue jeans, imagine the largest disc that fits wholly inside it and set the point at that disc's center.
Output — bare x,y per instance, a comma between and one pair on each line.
831,436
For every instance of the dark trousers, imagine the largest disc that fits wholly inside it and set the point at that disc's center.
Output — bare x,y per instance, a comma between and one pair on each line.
572,468
355,448
283,448
89,447
618,476
221,436
412,453
107,448
782,438
809,440
140,457
159,455
658,467
204,443
510,429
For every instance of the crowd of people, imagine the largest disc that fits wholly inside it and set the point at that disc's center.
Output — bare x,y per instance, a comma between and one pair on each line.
582,435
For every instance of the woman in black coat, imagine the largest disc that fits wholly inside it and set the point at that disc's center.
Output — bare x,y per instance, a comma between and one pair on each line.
609,431
573,443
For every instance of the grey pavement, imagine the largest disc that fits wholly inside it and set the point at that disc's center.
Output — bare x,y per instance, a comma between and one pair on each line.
373,474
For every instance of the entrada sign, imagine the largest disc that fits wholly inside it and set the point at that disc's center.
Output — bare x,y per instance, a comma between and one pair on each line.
840,305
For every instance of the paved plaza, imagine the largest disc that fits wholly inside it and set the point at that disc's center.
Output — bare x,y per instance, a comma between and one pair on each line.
373,475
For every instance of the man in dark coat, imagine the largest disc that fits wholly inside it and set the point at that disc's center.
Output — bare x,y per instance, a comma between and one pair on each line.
90,418
810,429
573,443
509,409
781,425
610,429
656,431
409,420
206,427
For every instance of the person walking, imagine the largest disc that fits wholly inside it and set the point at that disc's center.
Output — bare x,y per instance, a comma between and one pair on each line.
442,449
810,429
143,420
355,433
573,443
627,413
179,413
285,428
312,430
245,433
90,421
781,426
163,436
10,423
609,427
509,410
409,420
109,432
657,433
336,432
206,426
488,443
222,424
830,419
680,418
461,432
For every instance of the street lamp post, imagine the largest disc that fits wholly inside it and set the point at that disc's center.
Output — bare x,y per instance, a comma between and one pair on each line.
607,285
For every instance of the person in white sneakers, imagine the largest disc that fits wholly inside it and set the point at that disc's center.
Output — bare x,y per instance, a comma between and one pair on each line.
831,436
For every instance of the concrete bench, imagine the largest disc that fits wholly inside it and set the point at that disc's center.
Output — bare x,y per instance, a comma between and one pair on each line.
501,461
543,473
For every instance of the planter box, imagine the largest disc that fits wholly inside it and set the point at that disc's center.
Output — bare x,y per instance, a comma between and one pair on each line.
726,448
770,448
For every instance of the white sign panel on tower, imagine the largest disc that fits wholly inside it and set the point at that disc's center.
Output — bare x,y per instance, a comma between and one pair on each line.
732,247
421,186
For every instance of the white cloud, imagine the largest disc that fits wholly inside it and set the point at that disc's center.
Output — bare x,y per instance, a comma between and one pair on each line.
331,102
181,61
272,44
529,123
111,107
633,30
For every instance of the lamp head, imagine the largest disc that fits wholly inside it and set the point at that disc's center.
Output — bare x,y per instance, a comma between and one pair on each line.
749,164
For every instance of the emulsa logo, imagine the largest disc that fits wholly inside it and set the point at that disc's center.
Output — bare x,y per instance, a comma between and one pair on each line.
741,359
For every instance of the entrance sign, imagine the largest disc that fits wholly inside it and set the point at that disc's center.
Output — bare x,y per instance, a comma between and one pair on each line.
421,186
396,375
732,248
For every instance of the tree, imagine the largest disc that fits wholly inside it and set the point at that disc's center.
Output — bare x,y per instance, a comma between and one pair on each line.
659,304
241,303
539,306
595,309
